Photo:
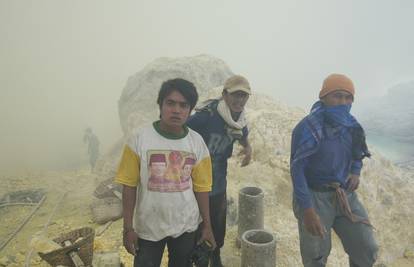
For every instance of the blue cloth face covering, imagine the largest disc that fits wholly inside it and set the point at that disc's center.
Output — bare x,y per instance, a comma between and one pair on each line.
340,115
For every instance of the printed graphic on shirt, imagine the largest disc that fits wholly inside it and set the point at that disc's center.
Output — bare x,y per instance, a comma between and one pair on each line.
169,170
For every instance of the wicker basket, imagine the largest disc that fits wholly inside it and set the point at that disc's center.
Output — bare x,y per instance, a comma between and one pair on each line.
105,189
106,209
84,248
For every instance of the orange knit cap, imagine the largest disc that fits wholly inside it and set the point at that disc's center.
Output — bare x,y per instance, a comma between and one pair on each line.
335,82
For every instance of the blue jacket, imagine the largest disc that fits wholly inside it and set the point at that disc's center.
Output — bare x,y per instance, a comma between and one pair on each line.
211,126
312,151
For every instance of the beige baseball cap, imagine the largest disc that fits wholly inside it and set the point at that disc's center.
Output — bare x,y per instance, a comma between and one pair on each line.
237,83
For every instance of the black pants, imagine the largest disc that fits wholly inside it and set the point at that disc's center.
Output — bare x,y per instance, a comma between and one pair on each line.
218,211
179,251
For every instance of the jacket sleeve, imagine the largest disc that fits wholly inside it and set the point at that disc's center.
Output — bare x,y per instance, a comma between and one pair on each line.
356,167
297,171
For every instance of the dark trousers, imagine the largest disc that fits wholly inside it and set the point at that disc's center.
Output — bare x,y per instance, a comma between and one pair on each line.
150,253
218,211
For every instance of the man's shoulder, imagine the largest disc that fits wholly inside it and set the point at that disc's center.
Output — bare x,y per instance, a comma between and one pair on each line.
208,108
194,135
205,122
301,124
200,115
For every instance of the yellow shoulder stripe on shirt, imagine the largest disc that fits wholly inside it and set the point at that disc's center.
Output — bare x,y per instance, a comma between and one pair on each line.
202,176
129,168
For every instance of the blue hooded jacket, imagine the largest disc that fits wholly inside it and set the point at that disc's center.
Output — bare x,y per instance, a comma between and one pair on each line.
307,137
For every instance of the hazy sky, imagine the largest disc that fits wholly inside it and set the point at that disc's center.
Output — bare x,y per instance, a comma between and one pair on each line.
63,64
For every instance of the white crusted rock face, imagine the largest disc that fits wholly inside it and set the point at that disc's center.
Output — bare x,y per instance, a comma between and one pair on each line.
137,103
387,192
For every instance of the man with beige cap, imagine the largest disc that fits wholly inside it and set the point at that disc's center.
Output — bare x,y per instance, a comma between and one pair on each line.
328,146
221,122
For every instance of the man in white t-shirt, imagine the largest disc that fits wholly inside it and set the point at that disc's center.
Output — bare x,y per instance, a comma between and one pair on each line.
160,206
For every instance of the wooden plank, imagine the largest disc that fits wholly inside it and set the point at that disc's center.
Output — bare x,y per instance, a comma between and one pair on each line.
29,254
74,255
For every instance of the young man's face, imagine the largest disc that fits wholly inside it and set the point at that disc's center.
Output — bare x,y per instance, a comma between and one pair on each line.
236,100
174,110
336,98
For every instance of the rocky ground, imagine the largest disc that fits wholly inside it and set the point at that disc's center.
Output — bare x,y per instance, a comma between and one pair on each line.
74,213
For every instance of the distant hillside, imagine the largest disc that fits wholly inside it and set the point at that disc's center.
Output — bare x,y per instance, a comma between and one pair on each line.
389,122
393,114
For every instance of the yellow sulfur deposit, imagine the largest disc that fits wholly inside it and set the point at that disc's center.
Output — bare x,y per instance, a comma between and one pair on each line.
41,243
102,245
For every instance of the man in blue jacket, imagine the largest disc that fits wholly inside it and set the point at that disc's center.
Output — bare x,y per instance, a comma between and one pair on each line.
221,122
327,150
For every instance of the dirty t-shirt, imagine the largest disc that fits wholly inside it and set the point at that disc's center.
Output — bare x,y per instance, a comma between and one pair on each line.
166,170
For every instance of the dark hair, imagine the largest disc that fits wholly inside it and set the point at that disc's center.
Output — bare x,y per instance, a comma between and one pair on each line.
184,87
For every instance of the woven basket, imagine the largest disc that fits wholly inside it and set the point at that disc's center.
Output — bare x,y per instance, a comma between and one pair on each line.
83,247
106,209
105,188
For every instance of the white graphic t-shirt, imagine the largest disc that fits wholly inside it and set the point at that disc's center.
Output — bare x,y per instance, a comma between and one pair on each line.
166,170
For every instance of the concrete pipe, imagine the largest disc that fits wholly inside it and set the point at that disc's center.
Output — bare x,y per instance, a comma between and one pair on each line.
250,210
258,249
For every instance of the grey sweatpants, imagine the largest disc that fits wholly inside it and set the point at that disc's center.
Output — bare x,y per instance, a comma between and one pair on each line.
357,238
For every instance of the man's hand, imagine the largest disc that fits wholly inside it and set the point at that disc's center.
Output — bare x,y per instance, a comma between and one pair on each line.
207,235
313,223
130,241
247,152
352,182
